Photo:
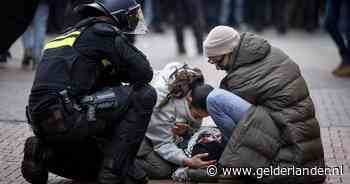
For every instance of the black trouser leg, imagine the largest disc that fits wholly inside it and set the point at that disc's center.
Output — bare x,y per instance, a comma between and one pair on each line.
280,15
311,14
128,135
194,9
347,32
331,25
158,16
179,25
179,34
198,34
258,9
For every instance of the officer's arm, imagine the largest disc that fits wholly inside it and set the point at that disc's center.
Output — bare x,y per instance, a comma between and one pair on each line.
130,64
133,62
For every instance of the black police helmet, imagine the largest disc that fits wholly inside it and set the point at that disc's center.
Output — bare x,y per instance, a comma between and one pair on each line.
126,14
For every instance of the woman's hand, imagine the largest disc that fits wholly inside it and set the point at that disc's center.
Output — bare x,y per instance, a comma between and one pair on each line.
197,162
180,129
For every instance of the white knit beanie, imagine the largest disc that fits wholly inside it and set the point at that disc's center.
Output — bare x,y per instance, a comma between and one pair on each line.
220,40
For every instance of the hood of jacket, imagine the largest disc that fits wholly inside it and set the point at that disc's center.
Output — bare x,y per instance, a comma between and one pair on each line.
252,48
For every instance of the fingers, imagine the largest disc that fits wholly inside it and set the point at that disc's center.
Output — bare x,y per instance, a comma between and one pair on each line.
203,140
174,130
210,162
201,155
178,131
182,125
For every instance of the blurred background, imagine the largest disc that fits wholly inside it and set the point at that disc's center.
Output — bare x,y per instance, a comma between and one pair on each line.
174,18
257,15
183,24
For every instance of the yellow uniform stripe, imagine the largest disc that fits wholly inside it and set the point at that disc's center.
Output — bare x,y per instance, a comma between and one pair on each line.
64,40
61,43
105,62
70,34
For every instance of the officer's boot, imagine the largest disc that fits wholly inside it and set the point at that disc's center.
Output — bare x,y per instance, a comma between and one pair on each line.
132,180
105,175
136,175
33,167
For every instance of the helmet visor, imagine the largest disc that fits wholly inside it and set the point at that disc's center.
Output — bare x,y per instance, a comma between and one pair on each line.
136,22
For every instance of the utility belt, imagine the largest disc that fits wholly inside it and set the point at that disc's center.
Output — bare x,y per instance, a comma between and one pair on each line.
61,114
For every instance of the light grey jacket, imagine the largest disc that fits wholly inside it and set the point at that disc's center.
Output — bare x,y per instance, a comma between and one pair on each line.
164,119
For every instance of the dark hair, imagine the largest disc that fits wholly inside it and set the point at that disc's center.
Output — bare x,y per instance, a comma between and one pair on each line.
199,96
213,148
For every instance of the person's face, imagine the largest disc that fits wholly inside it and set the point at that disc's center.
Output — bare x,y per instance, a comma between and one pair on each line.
221,62
196,112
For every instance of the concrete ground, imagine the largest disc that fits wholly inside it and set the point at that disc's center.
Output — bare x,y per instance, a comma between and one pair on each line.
315,53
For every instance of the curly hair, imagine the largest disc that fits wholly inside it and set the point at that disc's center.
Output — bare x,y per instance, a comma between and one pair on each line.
185,79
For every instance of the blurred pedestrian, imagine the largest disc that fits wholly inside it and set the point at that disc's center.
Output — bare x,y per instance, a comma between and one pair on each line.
4,57
304,14
188,12
34,37
159,16
339,36
255,14
153,15
279,15
15,17
211,10
312,15
229,13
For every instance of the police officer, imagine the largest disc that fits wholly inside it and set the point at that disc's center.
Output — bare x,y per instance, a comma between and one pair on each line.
91,93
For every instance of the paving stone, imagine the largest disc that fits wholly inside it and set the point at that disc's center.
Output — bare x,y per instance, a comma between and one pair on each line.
332,106
13,135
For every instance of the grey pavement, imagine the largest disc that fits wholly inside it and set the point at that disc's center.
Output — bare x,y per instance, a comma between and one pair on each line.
315,53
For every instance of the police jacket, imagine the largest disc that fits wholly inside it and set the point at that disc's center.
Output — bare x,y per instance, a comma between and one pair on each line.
92,55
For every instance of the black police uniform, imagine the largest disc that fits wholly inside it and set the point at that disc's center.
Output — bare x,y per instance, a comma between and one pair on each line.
84,61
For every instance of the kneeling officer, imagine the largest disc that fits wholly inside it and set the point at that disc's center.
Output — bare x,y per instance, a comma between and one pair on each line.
80,104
